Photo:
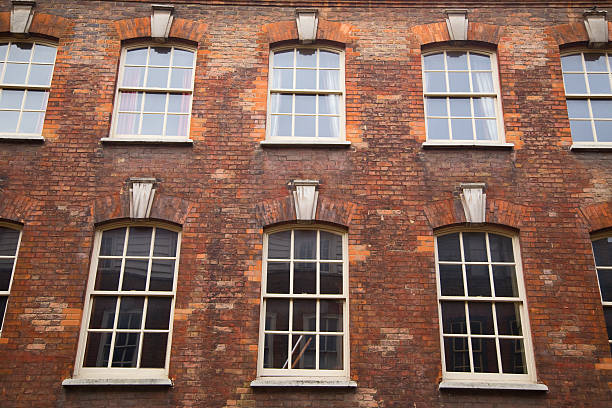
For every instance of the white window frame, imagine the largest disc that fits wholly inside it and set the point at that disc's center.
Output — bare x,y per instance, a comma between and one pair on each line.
341,139
588,96
499,117
305,374
17,135
119,88
604,304
7,293
464,377
127,373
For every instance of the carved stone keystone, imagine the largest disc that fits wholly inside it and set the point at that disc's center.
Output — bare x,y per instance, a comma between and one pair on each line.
142,191
474,202
305,197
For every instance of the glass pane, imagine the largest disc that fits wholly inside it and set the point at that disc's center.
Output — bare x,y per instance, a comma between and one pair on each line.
512,356
331,278
103,312
459,82
125,352
305,244
460,107
602,248
282,78
181,78
40,74
281,103
306,104
448,247
434,61
603,129
456,354
152,124
276,347
578,108
3,301
36,100
160,56
97,349
179,103
158,313
277,314
453,318
574,83
474,247
437,129
462,129
435,82
279,245
3,49
6,271
112,242
304,277
482,82
304,315
599,83
133,76
481,318
157,77
608,317
602,108
15,73
107,276
306,57
330,353
508,319
139,243
501,248
137,56
9,121
328,59
480,61
329,79
44,53
283,58
176,125
484,107
504,279
329,126
165,242
436,106
478,280
571,63
329,104
486,129
154,350
182,58
20,52
8,241
451,280
127,124
605,284
155,102
305,79
281,125
303,355
331,316
11,98
278,277
31,122
581,131
456,60
331,246
130,312
595,62
484,355
162,275
135,274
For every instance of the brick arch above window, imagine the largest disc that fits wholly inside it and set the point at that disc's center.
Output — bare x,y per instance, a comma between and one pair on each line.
438,32
282,210
164,208
449,212
141,28
17,208
571,33
326,30
597,216
42,24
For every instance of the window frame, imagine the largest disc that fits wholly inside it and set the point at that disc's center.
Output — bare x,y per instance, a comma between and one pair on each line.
113,136
25,87
305,374
125,373
587,96
7,293
499,113
316,140
474,377
604,304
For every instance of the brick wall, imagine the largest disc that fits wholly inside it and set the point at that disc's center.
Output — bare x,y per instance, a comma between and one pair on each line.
386,188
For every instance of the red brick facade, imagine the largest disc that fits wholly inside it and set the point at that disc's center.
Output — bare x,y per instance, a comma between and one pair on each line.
387,190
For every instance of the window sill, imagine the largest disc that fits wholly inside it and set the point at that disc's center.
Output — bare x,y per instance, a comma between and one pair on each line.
138,140
328,382
466,144
69,382
484,385
308,143
593,147
19,138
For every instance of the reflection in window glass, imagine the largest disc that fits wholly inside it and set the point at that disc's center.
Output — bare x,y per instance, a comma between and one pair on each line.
9,244
602,249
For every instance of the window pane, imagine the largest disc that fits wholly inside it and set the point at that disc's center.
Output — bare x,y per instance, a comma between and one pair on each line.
162,275
278,277
281,103
581,131
133,76
97,350
486,129
277,314
460,107
437,129
3,49
304,277
179,103
165,242
595,62
152,124
504,279
281,125
305,104
329,104
571,62
304,315
330,353
6,271
306,57
31,122
574,83
512,356
130,312
448,247
112,242
157,77
482,82
451,280
608,317
181,78
434,61
103,312
11,98
456,60
602,108
155,102
462,129
329,79
508,319
474,247
501,248
578,108
303,354
478,280
484,107
435,82
8,241
456,354
3,301
154,350
127,124
282,78
603,130
137,56
107,276
599,83
279,245
15,73
331,278
139,242
329,126
480,61
436,106
602,248
331,246
36,100
159,56
40,74
481,318
305,79
484,353
331,316
453,318
328,59
158,313
182,58
135,274
176,125
283,58
20,52
9,121
125,352
305,244
459,82
605,284
275,350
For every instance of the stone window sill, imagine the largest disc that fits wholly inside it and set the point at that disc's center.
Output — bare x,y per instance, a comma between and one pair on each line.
20,138
165,382
484,385
303,382
467,144
146,141
303,143
592,147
